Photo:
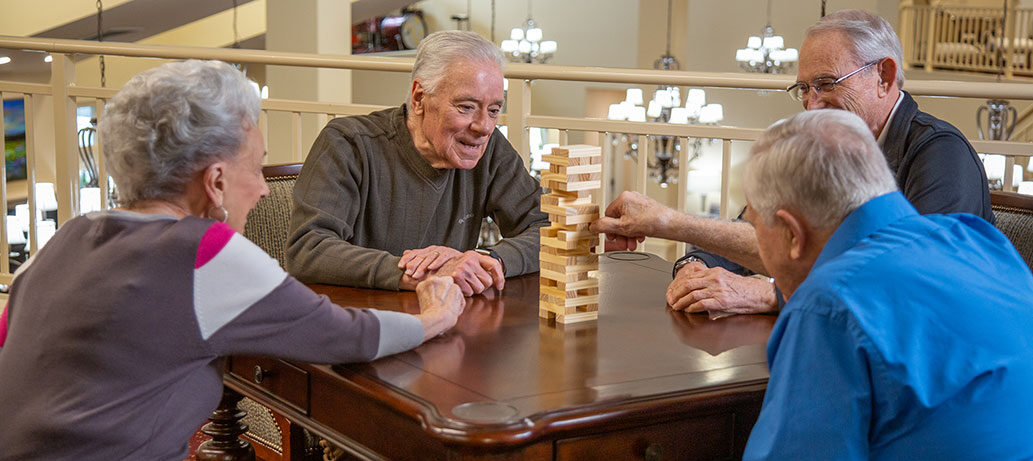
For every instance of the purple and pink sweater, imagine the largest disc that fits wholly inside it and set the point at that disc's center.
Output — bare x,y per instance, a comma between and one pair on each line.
111,344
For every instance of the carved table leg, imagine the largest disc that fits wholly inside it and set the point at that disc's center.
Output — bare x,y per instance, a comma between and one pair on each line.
225,429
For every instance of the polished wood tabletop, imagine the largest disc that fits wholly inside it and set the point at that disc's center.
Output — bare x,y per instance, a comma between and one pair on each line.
503,377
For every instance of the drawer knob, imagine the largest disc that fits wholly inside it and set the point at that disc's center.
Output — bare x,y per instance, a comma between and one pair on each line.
654,452
259,374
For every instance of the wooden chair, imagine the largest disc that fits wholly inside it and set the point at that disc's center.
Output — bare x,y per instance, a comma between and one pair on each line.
1014,213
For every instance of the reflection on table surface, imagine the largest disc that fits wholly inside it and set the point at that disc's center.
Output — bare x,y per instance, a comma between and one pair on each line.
500,350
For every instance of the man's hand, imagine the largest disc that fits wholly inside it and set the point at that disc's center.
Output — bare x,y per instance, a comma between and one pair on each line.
474,272
441,302
697,288
417,263
630,219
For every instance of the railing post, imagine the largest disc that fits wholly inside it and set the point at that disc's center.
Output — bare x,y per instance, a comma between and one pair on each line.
931,15
726,176
1010,37
518,107
66,163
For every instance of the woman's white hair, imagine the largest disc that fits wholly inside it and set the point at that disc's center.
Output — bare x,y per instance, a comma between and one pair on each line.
168,123
439,50
872,36
821,163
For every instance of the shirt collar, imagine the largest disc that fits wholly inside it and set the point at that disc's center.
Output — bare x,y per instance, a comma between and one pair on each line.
889,121
865,221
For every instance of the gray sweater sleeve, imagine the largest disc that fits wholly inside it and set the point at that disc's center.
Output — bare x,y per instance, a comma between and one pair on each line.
513,202
327,201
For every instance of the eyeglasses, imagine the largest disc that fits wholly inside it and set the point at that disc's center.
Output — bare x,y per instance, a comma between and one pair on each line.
799,90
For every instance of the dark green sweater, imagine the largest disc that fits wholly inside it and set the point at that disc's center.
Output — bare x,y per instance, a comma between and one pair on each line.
365,195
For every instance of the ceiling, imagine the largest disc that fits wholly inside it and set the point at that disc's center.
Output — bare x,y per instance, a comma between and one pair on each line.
135,20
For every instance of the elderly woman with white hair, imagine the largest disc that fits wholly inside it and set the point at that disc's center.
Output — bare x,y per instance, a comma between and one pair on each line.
111,344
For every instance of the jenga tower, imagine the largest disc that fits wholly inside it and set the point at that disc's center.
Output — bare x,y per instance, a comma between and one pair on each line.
567,292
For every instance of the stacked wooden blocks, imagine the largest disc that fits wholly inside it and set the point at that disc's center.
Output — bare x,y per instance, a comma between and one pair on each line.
567,292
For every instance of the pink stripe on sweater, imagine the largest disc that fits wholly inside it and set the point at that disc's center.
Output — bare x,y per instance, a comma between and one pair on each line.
213,241
3,326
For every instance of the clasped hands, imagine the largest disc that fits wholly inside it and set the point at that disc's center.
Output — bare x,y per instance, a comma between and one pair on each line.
472,272
696,288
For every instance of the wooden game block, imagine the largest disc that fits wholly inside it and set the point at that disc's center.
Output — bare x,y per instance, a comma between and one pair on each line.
577,198
577,316
577,150
569,177
576,169
591,258
570,220
568,161
569,298
569,286
559,182
571,210
568,232
564,251
568,268
567,279
580,244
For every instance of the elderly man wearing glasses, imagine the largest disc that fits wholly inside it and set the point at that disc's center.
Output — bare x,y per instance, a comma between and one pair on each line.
849,60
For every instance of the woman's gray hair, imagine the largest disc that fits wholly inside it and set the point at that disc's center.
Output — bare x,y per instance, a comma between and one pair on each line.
439,50
872,36
822,163
168,123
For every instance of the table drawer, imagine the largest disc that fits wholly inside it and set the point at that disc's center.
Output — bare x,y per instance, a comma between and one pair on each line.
284,381
710,437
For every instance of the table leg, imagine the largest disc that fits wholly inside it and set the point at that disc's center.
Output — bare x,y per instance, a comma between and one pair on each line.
225,429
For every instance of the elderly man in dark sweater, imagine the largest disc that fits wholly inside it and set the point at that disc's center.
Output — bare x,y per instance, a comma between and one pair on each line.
849,60
387,199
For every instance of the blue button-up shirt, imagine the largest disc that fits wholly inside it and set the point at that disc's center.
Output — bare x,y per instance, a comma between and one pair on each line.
911,338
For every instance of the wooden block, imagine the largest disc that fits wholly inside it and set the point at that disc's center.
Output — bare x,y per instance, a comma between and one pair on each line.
569,286
567,280
576,169
564,251
570,220
571,210
568,303
590,258
568,268
581,244
577,150
577,317
571,161
565,200
555,184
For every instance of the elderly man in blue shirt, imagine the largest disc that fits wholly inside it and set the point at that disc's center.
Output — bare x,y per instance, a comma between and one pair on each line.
904,336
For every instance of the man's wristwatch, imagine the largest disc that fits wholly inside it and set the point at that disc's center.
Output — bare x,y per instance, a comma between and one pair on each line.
489,252
683,262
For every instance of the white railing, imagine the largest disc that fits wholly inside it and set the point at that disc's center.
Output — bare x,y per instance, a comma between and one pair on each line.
518,119
968,38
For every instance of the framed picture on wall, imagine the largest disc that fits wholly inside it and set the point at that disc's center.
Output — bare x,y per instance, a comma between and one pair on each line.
14,138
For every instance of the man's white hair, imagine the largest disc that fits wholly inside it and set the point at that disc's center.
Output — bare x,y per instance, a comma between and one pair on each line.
441,49
821,163
872,36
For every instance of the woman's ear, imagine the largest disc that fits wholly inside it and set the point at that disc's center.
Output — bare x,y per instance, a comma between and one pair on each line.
214,180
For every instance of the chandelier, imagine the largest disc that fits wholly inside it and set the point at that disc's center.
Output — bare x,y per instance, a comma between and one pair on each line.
525,43
767,53
664,107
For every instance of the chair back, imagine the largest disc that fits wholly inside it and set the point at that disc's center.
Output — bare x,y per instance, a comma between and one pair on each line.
1014,213
269,222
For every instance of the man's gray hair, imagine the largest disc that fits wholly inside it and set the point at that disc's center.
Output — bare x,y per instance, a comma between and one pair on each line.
439,50
170,122
872,36
821,163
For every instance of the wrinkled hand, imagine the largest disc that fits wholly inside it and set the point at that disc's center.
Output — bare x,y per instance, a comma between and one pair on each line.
474,272
419,262
441,303
697,289
630,219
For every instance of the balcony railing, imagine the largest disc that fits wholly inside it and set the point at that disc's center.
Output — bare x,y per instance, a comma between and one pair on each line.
969,39
518,120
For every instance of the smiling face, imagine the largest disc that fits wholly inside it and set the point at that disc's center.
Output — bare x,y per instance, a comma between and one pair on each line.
827,54
452,125
245,184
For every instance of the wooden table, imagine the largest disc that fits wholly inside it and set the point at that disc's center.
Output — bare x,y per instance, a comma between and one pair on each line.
641,382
